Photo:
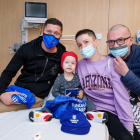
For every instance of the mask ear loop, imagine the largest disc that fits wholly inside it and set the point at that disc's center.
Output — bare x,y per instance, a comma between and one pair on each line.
111,82
109,68
128,41
96,43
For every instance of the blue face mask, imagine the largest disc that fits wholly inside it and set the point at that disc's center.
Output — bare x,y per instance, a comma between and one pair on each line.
122,51
50,41
88,51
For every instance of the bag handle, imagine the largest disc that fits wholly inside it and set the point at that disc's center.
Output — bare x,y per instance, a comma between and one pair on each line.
109,68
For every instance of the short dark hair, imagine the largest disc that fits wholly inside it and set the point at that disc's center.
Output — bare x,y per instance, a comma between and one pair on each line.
86,31
54,21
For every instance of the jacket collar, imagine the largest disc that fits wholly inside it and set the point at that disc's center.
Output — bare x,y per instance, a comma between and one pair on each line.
133,54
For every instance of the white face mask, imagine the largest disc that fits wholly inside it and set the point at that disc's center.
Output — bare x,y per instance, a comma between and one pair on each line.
122,51
88,51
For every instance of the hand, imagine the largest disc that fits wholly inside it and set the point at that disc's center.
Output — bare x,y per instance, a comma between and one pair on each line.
80,95
68,94
120,66
6,98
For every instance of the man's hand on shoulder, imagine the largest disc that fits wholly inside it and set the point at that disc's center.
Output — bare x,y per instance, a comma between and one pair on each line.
120,66
6,98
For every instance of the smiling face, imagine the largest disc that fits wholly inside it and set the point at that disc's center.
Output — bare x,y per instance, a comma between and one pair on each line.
84,40
54,30
69,64
119,35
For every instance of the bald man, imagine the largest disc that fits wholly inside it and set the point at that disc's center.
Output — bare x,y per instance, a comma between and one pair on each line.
127,63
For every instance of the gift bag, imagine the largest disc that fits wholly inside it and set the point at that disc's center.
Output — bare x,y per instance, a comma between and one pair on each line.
65,103
25,95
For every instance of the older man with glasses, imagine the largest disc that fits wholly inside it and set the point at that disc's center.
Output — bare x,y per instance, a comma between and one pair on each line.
127,64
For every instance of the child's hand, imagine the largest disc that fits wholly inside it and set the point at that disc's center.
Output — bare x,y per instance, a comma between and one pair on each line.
80,95
68,94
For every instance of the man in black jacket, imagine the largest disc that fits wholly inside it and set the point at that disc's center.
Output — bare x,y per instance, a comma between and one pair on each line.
40,59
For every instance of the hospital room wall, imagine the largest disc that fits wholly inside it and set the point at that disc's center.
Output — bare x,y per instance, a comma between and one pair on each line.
98,15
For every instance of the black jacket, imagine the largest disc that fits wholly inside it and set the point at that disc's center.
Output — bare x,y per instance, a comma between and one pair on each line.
39,70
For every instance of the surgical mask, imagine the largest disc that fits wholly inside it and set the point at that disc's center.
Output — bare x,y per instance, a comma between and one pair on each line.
88,51
122,51
50,41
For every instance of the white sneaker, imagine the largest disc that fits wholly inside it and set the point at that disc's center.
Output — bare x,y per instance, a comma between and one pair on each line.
40,116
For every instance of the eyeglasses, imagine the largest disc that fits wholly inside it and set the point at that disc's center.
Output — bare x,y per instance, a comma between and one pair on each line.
119,41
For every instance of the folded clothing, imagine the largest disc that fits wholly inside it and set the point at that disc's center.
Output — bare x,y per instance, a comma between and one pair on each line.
25,95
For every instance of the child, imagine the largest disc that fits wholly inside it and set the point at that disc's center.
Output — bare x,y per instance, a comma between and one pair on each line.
67,80
103,86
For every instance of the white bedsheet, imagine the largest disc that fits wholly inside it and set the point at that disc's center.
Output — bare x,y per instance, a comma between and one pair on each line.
15,125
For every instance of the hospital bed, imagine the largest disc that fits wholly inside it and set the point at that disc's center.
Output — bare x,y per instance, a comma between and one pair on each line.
16,125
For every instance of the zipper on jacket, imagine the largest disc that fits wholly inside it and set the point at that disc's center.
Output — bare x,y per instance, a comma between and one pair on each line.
23,85
43,70
46,57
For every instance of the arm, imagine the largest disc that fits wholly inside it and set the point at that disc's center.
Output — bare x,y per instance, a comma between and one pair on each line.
7,75
56,87
6,98
129,79
132,82
81,93
121,100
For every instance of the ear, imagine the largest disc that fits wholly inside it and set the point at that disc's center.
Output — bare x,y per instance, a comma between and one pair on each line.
131,40
41,32
60,35
96,42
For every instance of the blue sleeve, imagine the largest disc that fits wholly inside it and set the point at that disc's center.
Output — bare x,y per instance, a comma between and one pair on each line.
132,82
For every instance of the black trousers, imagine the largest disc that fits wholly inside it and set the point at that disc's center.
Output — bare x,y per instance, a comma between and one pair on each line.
117,129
